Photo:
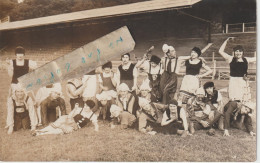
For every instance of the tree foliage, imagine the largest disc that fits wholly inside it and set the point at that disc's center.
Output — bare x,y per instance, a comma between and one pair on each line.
40,8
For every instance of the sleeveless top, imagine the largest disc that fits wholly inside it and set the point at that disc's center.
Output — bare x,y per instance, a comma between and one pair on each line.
126,74
177,114
238,69
19,70
20,109
193,69
107,82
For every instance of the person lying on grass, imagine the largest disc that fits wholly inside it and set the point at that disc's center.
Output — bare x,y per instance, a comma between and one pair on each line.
77,118
238,114
166,119
201,116
118,115
20,111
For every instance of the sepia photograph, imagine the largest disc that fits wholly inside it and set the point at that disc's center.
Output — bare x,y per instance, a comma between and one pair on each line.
128,80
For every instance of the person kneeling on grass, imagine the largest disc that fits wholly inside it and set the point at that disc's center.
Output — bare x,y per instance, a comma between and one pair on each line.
166,119
238,114
201,116
20,111
104,104
118,115
77,118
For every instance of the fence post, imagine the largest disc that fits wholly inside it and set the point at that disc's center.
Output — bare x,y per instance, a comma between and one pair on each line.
214,65
226,28
243,27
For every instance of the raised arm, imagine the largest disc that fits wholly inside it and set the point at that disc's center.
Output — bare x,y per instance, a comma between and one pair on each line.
139,63
206,48
223,53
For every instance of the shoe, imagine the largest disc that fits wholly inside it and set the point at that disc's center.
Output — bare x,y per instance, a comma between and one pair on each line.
39,124
143,130
151,132
184,134
34,134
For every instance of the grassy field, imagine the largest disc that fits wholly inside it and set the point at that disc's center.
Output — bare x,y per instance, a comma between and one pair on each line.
122,145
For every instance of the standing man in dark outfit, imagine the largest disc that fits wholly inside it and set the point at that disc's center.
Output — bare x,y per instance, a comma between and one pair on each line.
19,66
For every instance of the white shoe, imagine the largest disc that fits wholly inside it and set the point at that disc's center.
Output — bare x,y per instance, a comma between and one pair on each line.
152,132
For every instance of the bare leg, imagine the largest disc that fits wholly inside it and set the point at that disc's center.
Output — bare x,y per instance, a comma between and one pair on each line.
38,112
49,130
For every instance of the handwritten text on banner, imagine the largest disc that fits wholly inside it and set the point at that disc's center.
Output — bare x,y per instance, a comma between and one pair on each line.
80,61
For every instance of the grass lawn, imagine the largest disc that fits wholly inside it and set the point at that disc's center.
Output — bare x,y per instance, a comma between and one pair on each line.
122,145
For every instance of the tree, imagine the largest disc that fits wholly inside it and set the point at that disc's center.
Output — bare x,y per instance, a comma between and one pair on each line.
5,7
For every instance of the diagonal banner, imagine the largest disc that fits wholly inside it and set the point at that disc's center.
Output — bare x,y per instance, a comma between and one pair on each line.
80,61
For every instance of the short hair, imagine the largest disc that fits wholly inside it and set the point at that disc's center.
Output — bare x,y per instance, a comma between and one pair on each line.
238,47
90,103
124,55
19,50
107,65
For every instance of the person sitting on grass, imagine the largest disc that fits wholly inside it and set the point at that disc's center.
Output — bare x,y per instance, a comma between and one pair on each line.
125,118
104,103
149,111
215,101
174,120
200,114
20,111
77,118
238,114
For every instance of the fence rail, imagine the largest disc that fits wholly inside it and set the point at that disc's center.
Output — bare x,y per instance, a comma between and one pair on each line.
240,27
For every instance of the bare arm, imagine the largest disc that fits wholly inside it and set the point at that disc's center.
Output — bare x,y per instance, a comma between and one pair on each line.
208,71
250,59
32,64
206,48
10,68
164,120
223,53
139,63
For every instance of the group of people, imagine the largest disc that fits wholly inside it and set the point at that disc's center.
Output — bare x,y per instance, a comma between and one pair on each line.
151,107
